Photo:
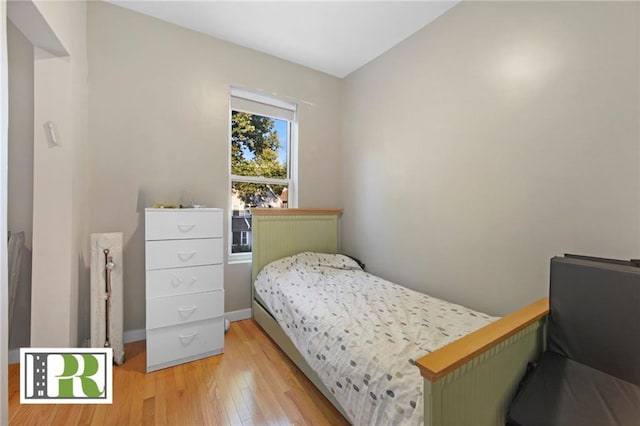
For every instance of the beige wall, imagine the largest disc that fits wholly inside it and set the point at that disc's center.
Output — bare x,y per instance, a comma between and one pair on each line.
158,125
4,282
59,203
20,204
20,198
497,137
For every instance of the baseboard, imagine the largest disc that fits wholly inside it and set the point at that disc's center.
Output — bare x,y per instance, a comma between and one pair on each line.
14,356
239,315
141,334
135,335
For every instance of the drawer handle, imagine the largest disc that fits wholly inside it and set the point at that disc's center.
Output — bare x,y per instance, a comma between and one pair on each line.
188,337
186,228
186,255
176,280
187,310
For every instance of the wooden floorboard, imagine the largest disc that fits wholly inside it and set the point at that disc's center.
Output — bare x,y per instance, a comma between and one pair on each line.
252,383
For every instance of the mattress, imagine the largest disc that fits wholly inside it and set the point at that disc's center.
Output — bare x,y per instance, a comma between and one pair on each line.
361,333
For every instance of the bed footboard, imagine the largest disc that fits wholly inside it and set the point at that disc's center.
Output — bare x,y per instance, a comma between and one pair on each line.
472,380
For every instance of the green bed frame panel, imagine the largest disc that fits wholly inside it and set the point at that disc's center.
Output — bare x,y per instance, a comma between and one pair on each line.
479,392
278,236
476,394
270,325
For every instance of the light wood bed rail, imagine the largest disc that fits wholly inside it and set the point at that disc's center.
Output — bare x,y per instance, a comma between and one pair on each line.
472,380
468,382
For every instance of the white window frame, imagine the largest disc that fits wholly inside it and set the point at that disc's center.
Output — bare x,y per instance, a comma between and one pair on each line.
267,106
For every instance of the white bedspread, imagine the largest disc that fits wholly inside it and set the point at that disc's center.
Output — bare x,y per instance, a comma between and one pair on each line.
360,333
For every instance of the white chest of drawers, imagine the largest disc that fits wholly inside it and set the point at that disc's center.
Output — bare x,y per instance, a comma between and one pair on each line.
184,285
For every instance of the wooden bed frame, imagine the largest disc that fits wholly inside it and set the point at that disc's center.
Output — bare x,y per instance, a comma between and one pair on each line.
468,382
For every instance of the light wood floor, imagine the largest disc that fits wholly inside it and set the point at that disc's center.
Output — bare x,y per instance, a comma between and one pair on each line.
252,383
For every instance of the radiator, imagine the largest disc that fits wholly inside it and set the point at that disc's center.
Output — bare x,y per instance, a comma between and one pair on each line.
106,308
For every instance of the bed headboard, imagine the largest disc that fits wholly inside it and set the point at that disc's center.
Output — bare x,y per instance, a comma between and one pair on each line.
279,233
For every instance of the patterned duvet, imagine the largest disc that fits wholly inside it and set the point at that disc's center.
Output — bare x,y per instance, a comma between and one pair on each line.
360,333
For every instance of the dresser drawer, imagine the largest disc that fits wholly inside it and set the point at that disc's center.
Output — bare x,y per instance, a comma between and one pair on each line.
172,345
180,253
170,282
165,311
179,224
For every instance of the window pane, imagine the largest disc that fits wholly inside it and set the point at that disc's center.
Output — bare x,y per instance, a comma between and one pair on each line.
259,145
241,232
244,196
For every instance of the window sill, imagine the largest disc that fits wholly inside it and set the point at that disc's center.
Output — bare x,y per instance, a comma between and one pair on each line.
235,258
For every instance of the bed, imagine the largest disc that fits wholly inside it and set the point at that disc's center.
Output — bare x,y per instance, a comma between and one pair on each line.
468,381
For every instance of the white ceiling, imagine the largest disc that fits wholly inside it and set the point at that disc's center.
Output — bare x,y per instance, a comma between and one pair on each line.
335,37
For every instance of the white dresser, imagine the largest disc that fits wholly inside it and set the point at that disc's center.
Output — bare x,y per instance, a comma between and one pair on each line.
184,285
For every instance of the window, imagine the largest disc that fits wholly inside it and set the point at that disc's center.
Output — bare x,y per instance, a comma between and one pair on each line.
262,173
